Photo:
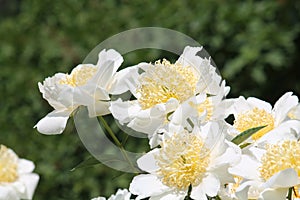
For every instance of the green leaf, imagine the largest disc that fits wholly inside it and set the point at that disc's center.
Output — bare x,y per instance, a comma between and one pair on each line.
244,145
245,135
108,160
90,161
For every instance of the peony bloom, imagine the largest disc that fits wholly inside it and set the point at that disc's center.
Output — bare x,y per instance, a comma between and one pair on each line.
160,88
254,112
122,194
195,161
16,178
88,85
269,173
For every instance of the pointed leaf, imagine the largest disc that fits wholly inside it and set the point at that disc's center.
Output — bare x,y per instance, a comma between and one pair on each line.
109,160
90,161
245,135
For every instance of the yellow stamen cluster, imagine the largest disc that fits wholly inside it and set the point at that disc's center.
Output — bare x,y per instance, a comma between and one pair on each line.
183,161
79,76
8,165
163,81
254,118
280,157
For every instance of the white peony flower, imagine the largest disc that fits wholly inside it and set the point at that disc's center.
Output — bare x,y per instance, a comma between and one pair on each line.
122,194
254,112
16,178
88,85
195,160
269,173
160,88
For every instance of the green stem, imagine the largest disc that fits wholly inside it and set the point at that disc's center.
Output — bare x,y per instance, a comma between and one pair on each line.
117,142
218,198
110,132
290,194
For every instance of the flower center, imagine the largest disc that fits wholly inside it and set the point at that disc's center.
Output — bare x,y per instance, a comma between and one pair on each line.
183,161
163,81
254,118
79,76
8,165
280,157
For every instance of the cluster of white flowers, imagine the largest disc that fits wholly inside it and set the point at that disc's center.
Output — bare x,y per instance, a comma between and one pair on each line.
182,108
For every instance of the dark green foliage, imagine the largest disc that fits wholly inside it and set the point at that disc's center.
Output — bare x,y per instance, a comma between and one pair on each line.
255,44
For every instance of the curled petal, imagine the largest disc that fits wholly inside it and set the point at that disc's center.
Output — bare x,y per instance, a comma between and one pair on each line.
147,185
53,123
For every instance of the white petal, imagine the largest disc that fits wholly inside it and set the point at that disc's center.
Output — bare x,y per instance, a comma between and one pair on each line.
124,111
110,55
148,126
210,186
198,192
99,198
222,173
126,79
285,131
223,109
104,75
7,193
87,94
25,166
230,156
210,131
147,185
283,106
52,90
98,108
66,97
257,152
247,168
274,194
148,162
121,194
283,179
169,196
108,63
188,57
260,104
240,105
30,181
209,80
53,123
242,192
185,110
147,121
295,112
213,132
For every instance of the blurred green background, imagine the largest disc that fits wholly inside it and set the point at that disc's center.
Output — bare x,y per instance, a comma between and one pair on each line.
255,44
